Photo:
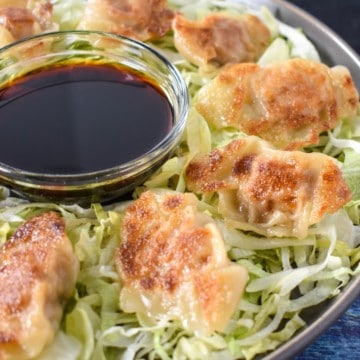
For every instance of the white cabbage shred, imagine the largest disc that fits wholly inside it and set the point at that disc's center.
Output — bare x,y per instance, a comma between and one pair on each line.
286,275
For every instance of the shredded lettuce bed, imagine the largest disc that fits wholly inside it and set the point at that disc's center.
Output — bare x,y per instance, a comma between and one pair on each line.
286,275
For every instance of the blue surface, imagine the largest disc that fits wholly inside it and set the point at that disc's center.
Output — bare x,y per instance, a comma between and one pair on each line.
342,339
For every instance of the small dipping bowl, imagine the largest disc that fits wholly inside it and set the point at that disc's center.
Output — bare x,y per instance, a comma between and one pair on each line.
86,116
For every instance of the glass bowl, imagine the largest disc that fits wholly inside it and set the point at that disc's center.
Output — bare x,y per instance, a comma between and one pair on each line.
73,50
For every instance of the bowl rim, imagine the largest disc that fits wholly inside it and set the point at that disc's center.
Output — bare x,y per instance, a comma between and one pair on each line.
30,179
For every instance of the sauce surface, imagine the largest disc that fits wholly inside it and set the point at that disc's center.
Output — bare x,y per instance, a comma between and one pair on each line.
78,118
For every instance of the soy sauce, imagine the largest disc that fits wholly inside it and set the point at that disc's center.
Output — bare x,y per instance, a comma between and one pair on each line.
79,118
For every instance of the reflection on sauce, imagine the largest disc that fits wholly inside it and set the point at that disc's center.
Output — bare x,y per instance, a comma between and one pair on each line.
78,118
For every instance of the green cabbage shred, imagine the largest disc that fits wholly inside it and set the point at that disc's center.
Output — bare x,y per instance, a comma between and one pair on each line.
286,275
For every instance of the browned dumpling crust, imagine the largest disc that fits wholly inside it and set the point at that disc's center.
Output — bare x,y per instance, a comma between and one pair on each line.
38,270
173,264
22,18
272,192
133,18
220,38
288,104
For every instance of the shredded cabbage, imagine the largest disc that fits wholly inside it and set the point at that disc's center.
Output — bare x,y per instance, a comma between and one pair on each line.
286,275
68,13
300,45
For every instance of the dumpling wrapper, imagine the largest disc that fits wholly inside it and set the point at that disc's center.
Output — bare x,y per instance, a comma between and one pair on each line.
288,103
220,38
23,18
268,191
131,18
38,271
173,264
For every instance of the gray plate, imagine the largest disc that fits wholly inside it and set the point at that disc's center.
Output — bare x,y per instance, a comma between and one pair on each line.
333,51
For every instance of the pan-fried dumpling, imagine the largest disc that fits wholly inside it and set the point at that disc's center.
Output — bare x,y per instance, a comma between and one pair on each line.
20,22
173,264
133,18
220,38
288,104
5,36
38,270
22,18
268,191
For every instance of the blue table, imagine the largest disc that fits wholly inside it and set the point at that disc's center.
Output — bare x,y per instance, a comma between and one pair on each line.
342,339
340,342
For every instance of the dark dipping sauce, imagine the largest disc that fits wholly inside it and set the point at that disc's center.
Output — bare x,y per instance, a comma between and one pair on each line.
79,118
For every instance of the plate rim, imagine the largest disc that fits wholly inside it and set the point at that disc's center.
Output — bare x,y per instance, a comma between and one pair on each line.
339,304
